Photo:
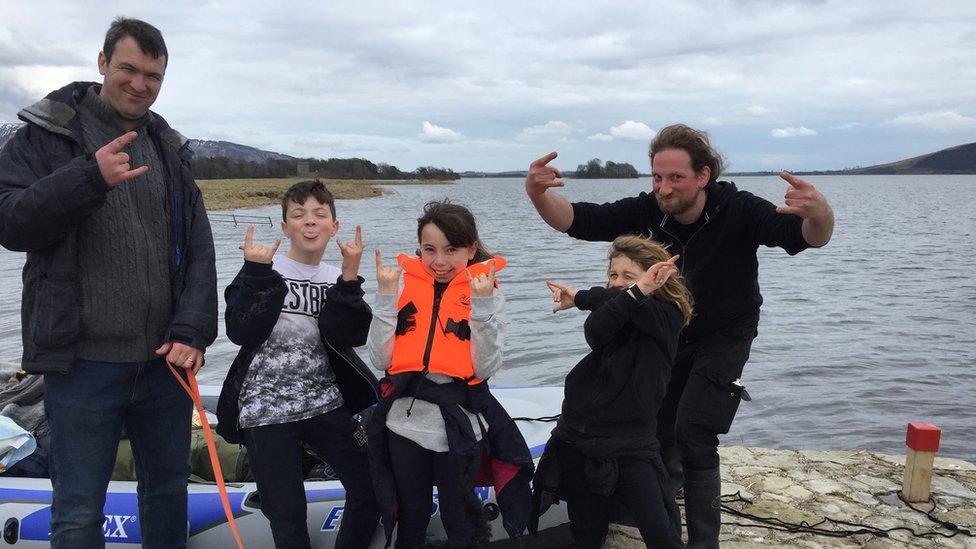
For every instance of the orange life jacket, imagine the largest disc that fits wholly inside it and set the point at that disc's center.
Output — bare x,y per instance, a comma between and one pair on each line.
435,337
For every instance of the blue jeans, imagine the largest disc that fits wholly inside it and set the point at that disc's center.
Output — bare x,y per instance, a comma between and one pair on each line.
87,409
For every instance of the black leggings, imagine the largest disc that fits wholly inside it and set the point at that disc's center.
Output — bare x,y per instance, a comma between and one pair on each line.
416,470
275,453
638,489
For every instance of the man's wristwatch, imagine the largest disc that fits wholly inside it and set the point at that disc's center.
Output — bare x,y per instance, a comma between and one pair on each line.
635,291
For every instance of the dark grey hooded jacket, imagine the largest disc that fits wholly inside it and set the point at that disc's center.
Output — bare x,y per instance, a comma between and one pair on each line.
49,183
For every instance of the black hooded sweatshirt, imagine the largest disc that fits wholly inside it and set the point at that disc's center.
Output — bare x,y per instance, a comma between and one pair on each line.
718,252
616,390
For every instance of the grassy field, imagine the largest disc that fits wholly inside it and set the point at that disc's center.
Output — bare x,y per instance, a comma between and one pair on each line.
232,194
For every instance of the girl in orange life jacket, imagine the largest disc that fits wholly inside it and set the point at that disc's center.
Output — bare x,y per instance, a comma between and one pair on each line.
604,448
444,324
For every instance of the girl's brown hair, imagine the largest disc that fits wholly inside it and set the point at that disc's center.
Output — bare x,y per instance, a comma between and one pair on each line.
646,252
457,224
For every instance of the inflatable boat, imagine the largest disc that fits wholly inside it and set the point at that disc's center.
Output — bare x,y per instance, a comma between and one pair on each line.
25,504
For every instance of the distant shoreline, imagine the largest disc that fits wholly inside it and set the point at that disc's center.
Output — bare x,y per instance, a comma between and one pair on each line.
730,174
236,194
844,173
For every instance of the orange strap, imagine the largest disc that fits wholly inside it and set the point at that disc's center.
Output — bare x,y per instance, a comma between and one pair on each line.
194,391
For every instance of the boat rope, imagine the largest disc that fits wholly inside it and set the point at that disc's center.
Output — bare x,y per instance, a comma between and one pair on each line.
804,527
193,389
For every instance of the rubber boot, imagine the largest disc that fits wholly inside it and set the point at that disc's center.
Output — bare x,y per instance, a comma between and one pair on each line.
703,512
672,462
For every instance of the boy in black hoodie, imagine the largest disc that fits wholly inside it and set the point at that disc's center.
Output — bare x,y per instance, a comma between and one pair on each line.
296,378
604,445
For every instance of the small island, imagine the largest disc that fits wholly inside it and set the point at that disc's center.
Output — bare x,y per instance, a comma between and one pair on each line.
596,169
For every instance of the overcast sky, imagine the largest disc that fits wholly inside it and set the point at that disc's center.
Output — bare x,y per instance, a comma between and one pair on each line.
492,85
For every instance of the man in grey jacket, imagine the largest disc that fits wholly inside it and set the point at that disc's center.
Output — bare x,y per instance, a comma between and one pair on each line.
119,281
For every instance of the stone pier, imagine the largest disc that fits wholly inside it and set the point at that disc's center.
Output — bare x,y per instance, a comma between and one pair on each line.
860,488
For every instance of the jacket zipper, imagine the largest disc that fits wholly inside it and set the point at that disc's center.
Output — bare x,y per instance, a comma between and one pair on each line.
684,245
430,341
240,389
150,248
353,366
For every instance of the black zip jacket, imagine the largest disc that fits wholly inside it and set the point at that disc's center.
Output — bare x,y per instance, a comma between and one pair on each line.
616,390
254,300
718,261
49,184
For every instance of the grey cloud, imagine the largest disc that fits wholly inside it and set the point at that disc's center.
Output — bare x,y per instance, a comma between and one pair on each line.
286,76
26,53
12,99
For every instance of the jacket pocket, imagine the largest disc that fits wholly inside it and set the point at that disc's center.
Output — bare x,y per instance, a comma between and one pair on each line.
711,396
726,398
55,318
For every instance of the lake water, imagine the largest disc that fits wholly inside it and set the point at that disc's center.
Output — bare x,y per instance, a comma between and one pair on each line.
856,339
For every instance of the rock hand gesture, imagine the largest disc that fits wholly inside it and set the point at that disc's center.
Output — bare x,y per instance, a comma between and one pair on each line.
387,278
484,284
352,255
258,253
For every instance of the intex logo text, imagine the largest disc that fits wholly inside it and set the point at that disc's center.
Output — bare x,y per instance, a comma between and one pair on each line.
114,526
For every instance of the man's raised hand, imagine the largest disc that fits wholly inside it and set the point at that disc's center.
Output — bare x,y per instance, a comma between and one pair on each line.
258,253
564,296
542,176
802,198
113,161
387,278
352,255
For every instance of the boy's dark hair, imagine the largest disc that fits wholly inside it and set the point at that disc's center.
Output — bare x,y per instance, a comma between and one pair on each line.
148,37
692,141
457,224
299,193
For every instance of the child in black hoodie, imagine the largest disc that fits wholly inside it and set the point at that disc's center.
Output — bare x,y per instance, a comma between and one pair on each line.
604,448
296,378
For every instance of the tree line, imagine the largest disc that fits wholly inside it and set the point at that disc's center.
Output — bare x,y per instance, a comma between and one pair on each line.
596,169
221,167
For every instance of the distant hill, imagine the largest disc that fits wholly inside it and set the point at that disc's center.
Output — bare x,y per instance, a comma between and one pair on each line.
233,151
226,160
7,131
954,160
960,159
201,148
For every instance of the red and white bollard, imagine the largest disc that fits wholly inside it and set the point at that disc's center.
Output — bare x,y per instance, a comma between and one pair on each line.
923,442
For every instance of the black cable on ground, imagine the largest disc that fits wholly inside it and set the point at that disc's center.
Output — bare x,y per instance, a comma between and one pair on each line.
543,418
805,527
859,528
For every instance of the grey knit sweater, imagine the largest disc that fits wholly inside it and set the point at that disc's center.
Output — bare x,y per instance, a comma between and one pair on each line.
124,250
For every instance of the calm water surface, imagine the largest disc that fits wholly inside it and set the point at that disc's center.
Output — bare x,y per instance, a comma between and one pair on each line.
856,339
